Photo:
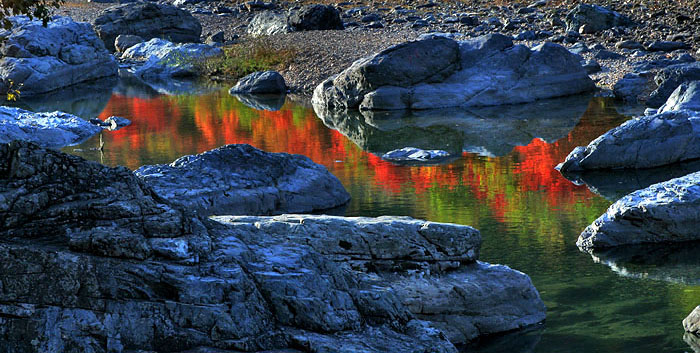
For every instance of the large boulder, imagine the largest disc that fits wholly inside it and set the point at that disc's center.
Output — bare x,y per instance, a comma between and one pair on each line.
438,72
163,59
147,20
669,78
92,260
686,96
44,59
692,322
260,82
596,18
56,129
240,179
644,142
663,212
314,17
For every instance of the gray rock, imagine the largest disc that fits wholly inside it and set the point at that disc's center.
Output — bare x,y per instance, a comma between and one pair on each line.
415,154
669,78
438,72
663,212
216,38
268,23
660,45
629,44
643,142
596,18
270,102
693,341
44,59
592,66
240,179
261,82
56,129
147,20
631,87
164,59
117,122
692,322
608,55
126,41
315,17
686,96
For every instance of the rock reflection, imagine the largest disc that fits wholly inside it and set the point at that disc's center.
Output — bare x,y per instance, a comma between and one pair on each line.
670,262
693,341
614,184
486,131
133,86
270,102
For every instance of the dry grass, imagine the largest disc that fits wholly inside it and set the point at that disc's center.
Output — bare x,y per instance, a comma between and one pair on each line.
247,57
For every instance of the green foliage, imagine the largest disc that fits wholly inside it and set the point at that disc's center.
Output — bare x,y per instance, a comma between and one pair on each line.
35,9
247,57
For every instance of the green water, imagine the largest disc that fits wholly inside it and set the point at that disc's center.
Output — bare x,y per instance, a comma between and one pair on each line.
528,214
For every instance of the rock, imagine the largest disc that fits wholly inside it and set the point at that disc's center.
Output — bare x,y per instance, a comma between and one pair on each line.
268,23
44,59
415,154
692,322
668,262
591,67
117,122
165,59
147,20
270,102
261,82
308,18
629,44
596,18
126,41
56,129
486,131
315,17
608,55
122,267
631,87
686,96
660,45
669,78
240,179
442,72
693,341
663,212
643,142
216,38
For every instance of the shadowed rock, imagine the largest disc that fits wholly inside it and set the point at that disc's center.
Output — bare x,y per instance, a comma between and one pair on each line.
240,179
438,72
663,212
669,78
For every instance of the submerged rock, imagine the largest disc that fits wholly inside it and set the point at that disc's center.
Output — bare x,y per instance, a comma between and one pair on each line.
415,154
165,59
663,212
44,59
147,20
55,129
643,142
240,179
439,72
89,265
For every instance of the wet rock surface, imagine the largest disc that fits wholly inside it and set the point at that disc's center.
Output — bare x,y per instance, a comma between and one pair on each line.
147,20
240,179
485,71
663,212
89,265
55,129
38,59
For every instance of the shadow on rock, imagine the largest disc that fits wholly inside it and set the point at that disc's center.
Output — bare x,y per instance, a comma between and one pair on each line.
487,131
271,102
86,100
614,184
669,262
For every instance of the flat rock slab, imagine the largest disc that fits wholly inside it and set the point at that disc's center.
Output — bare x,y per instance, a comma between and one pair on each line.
439,72
44,59
164,59
391,243
56,129
644,142
663,212
240,179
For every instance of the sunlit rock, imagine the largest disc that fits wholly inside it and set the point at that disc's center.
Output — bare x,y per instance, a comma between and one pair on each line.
55,129
692,322
164,59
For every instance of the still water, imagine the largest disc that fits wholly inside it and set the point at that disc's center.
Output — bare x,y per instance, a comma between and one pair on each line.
501,181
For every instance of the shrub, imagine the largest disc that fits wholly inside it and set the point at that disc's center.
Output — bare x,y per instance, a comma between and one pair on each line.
247,57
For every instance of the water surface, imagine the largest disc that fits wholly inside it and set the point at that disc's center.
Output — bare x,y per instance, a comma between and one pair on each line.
504,185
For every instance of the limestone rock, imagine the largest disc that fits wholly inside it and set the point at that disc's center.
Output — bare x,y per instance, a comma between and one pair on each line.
240,179
44,59
438,72
147,20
